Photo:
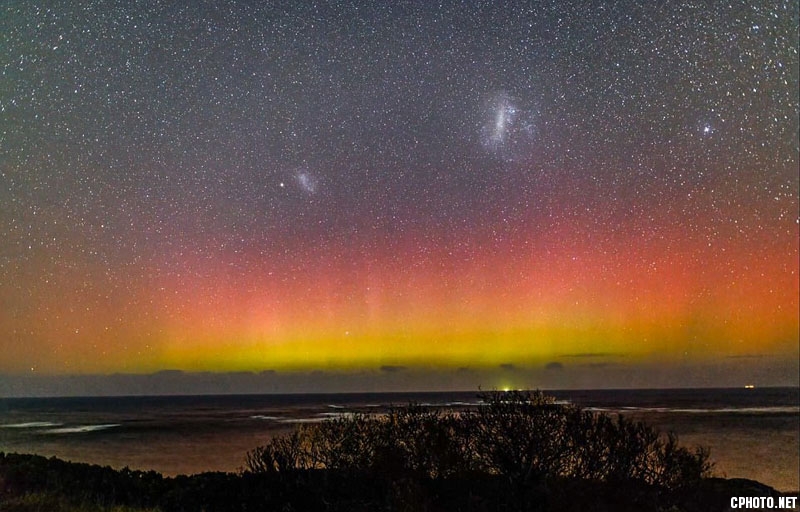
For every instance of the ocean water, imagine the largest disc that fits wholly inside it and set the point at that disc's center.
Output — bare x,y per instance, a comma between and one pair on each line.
752,433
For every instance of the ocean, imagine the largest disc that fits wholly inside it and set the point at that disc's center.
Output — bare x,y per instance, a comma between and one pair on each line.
752,433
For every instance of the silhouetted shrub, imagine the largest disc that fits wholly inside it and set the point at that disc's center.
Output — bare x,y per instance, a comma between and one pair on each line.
525,437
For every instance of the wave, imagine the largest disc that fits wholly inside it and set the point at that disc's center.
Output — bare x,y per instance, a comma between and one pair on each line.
302,420
745,410
32,424
445,405
323,416
702,410
79,429
267,418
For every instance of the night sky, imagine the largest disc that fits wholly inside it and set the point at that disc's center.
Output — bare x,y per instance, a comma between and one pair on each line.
349,187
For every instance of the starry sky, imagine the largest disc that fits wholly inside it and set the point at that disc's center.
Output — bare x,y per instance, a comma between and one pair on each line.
392,188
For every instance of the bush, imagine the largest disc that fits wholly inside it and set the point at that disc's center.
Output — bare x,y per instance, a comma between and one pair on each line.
32,477
524,437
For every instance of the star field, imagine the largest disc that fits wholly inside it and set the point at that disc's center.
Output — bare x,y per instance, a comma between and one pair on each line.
237,186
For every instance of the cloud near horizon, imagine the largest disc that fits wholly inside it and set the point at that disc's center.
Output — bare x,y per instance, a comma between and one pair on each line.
590,355
388,368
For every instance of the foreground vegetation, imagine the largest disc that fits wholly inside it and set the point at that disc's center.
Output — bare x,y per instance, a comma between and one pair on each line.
525,437
519,451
